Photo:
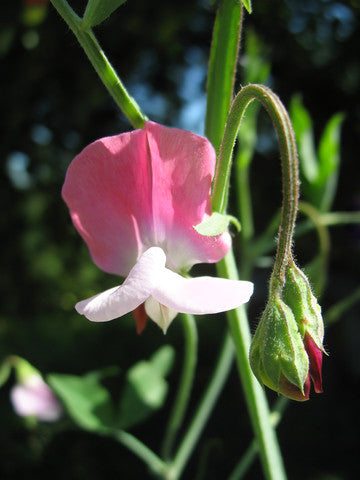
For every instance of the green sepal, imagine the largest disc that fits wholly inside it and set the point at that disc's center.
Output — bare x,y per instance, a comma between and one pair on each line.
277,348
23,369
298,296
99,10
216,224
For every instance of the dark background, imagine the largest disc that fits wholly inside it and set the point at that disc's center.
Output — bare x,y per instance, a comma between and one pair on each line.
52,105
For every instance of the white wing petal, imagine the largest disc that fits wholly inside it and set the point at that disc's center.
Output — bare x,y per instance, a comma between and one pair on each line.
201,295
137,287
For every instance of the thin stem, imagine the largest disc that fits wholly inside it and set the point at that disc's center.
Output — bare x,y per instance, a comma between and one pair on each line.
155,464
249,456
337,311
245,214
185,384
289,163
222,68
254,394
339,218
204,410
101,64
265,243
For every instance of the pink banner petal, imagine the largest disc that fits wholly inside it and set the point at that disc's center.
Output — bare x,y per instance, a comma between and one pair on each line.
144,188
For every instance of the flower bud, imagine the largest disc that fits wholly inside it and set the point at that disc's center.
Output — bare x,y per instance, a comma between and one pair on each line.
277,354
298,296
31,396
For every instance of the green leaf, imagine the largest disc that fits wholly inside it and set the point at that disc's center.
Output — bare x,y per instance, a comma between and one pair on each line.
329,160
145,389
163,360
99,10
144,392
216,224
303,128
247,5
319,172
256,68
87,402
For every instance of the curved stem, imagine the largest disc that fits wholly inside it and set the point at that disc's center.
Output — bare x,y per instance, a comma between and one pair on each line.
155,464
289,163
185,384
204,410
101,64
254,394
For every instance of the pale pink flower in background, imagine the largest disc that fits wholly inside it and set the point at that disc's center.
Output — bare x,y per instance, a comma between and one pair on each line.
32,397
135,199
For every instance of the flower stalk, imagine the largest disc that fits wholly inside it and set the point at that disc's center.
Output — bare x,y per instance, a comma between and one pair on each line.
101,64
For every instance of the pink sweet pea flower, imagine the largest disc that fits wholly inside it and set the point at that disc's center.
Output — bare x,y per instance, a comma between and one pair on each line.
135,199
32,397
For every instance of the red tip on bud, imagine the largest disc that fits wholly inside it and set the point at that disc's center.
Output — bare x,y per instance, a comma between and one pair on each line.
315,360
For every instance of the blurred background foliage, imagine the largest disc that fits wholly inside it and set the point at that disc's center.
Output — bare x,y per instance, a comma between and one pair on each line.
52,105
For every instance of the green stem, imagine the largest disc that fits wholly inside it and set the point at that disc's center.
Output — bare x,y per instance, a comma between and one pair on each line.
245,215
101,64
254,394
249,456
204,410
289,163
155,464
185,384
339,218
222,68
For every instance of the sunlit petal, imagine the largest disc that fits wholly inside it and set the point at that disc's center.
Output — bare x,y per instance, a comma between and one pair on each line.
200,295
137,287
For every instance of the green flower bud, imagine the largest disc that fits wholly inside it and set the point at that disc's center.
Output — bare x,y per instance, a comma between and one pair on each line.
298,296
277,354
